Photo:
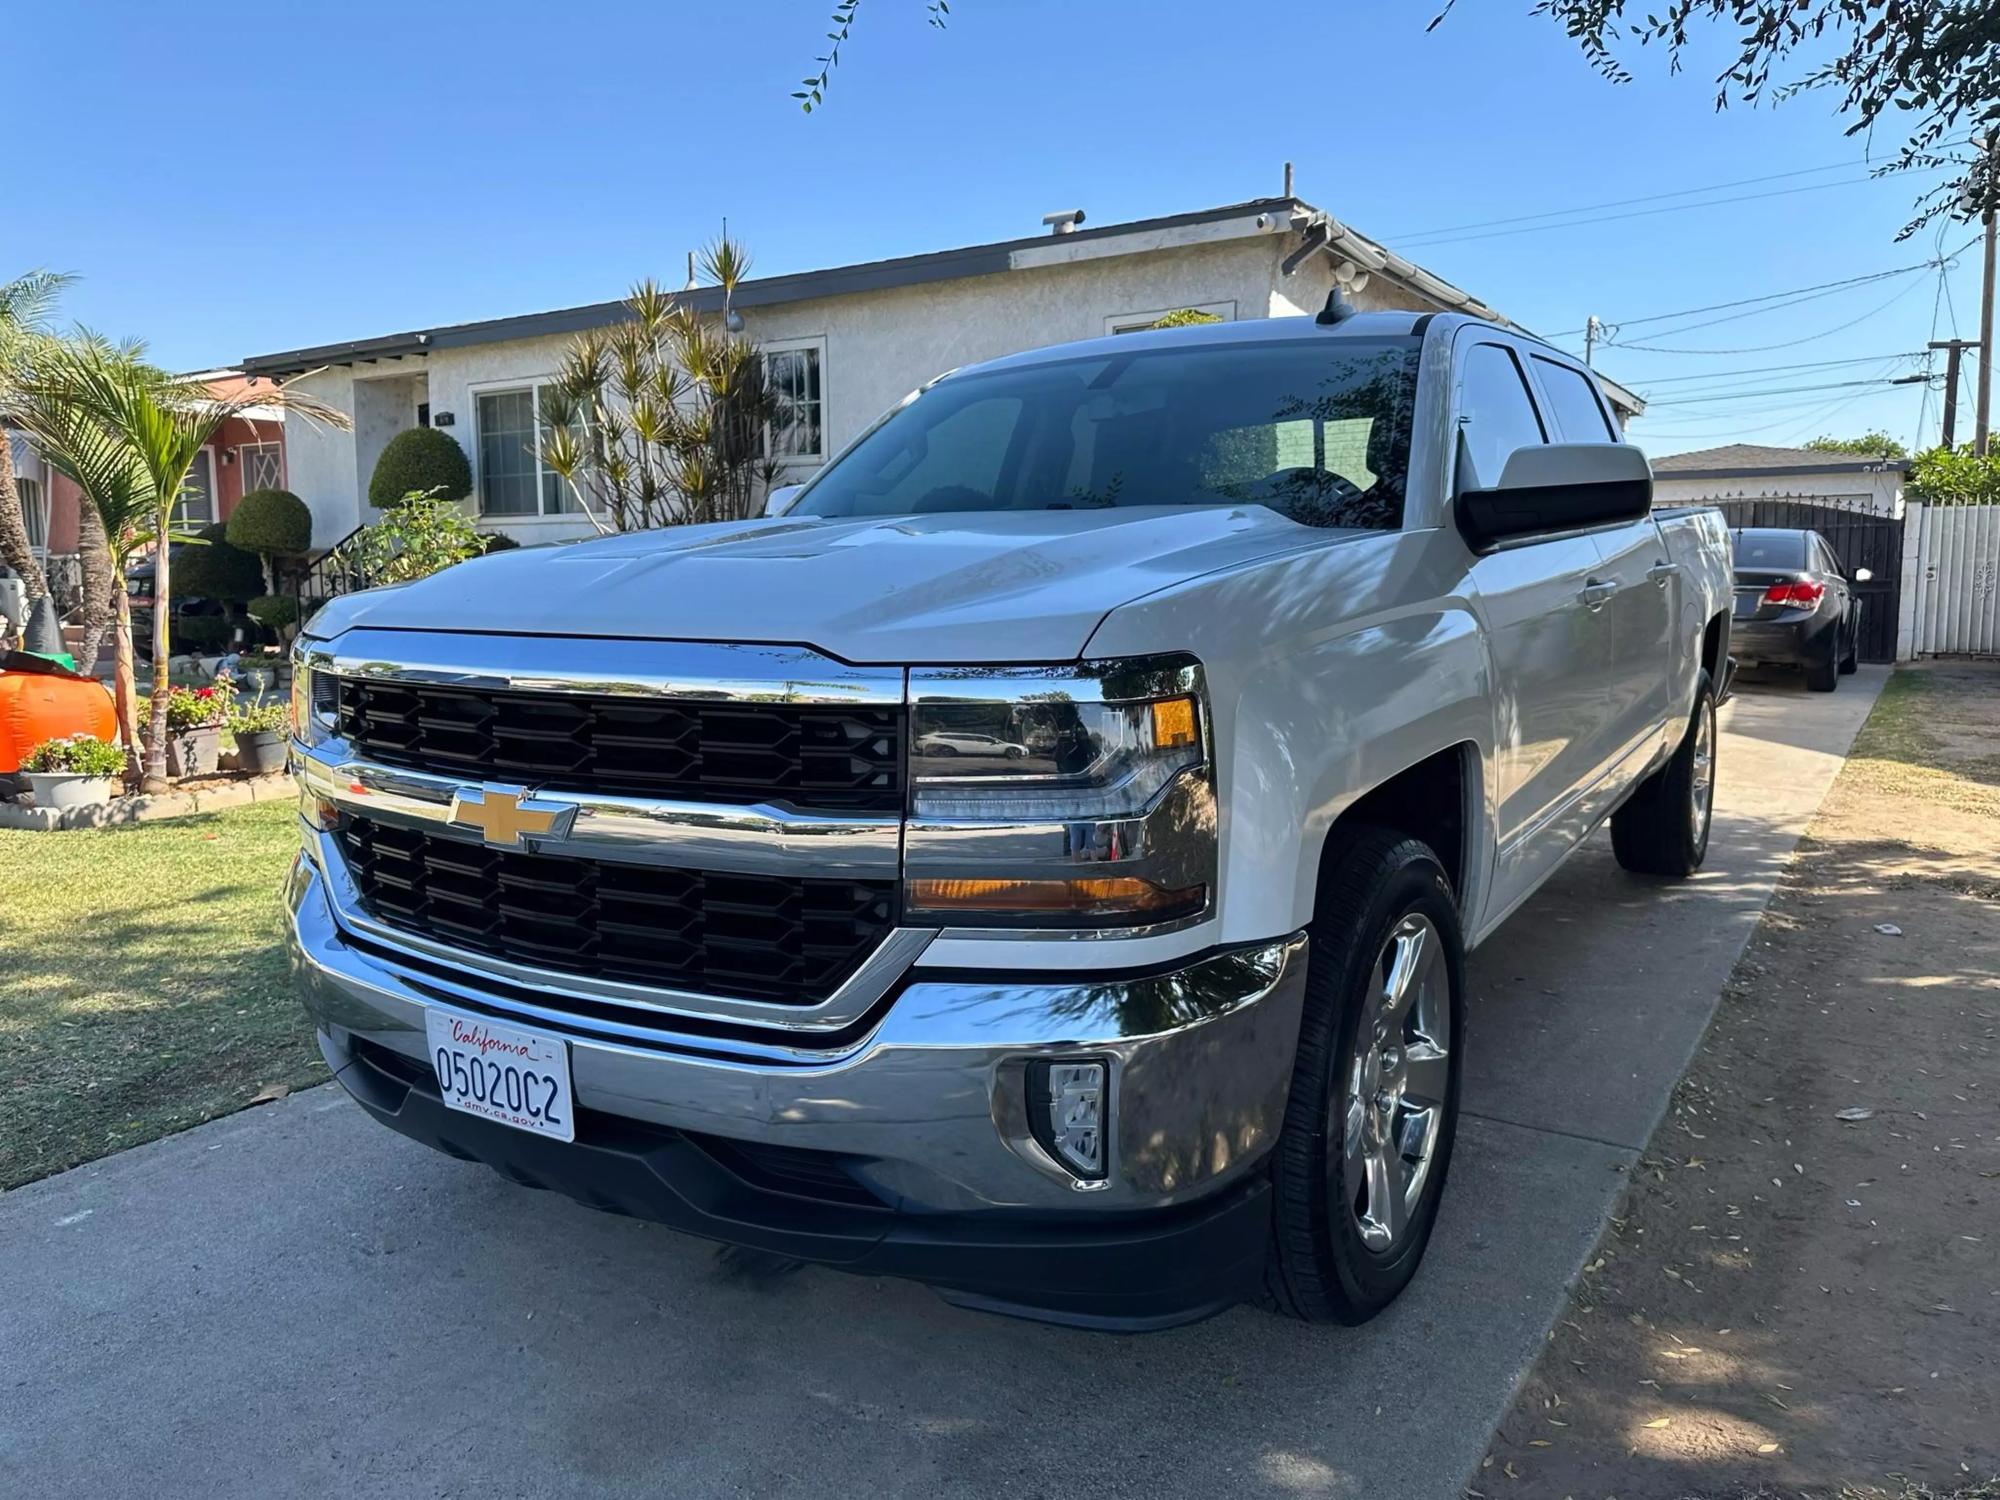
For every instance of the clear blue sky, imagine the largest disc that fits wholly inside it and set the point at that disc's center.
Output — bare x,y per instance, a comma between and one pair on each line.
231,182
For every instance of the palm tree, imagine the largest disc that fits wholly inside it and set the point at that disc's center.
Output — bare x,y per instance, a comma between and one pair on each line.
24,307
135,429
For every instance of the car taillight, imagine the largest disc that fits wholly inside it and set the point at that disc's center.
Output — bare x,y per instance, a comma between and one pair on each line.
1799,595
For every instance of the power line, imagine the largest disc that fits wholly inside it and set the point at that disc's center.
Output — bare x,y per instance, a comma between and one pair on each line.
1415,243
1824,286
1789,390
1811,364
1784,344
1589,208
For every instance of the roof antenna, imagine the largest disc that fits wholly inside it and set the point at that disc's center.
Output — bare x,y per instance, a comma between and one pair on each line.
1337,310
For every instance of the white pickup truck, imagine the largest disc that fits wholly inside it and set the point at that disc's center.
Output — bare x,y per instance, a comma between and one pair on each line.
1039,861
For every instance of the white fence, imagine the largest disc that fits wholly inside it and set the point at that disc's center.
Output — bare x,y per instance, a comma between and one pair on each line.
1951,581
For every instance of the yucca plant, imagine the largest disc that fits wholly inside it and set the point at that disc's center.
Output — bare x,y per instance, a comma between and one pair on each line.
660,420
127,433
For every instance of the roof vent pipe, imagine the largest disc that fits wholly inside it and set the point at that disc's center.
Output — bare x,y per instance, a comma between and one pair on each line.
1064,221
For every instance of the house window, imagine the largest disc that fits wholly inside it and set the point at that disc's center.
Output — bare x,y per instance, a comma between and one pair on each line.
197,502
793,370
513,481
1139,322
35,513
263,466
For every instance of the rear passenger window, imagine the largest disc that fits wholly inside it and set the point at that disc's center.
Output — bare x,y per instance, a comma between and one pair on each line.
1498,414
1578,413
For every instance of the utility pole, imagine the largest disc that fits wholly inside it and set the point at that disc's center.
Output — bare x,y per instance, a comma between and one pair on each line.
1591,328
1989,190
1953,348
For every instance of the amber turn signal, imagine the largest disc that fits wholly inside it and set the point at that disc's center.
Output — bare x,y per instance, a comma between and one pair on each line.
1087,897
1173,723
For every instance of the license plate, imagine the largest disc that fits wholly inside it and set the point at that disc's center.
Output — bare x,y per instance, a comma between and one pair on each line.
504,1073
1746,604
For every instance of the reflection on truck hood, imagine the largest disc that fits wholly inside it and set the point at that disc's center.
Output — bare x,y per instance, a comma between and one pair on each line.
987,586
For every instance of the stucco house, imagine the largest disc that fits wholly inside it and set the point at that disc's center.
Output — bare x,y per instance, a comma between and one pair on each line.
247,454
1751,471
844,344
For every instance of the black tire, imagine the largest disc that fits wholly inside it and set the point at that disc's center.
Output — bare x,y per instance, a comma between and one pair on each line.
1321,1268
1824,676
1850,663
1659,830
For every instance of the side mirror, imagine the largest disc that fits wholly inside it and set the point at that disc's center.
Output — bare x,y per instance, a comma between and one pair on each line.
1862,575
1554,487
780,499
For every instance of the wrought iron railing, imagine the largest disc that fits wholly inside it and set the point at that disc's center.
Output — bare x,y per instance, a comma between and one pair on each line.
334,572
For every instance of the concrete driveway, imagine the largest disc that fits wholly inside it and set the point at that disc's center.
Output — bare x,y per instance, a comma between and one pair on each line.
294,1301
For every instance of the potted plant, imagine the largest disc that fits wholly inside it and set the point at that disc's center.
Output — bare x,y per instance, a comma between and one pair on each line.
195,717
260,667
76,772
262,732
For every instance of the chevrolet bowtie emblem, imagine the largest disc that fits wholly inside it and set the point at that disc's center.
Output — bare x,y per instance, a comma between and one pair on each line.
508,817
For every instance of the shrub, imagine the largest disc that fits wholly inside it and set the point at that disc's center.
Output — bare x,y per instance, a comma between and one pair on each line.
497,541
199,634
1947,476
211,568
274,611
423,459
79,755
272,523
420,535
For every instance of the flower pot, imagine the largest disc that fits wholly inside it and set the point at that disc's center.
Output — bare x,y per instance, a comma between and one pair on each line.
257,679
61,789
261,752
192,752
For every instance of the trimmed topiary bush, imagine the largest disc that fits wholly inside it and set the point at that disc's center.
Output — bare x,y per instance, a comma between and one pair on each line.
423,459
275,523
213,569
275,611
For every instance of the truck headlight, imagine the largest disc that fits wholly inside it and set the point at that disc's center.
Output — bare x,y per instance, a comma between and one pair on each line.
1079,795
314,709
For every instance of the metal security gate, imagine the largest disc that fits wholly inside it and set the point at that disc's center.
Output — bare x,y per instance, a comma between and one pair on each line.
1860,540
1957,604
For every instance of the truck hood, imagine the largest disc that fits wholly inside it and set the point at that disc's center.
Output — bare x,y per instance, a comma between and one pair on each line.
987,586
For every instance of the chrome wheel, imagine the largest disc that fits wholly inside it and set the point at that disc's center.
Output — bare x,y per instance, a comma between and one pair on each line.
1701,779
1397,1084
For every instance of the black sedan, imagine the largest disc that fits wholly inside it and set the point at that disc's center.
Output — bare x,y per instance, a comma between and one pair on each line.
1794,605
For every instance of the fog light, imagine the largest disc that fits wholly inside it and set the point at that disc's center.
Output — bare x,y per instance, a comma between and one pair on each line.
1067,1110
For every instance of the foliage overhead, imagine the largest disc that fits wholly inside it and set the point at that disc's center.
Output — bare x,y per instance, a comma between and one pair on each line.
661,420
276,523
425,459
1933,63
1955,476
420,535
209,567
1869,444
813,90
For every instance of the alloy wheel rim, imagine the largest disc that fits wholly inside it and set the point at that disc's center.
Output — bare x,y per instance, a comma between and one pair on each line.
1702,781
1397,1080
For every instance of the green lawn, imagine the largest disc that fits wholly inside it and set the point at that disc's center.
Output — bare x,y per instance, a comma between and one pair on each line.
142,983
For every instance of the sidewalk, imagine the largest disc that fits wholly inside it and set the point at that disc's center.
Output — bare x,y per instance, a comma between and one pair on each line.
1800,1293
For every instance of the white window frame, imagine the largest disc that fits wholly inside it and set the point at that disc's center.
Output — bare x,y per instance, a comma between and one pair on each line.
181,517
35,509
243,452
817,344
533,386
1133,322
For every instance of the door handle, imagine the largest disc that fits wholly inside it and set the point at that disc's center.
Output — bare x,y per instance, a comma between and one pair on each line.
1660,572
1594,592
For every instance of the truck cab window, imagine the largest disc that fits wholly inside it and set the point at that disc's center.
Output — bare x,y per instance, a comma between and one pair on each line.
1496,413
1578,414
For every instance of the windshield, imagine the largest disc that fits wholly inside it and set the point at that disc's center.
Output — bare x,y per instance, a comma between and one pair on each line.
1318,430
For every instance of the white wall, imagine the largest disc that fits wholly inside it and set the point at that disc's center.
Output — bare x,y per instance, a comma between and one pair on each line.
320,461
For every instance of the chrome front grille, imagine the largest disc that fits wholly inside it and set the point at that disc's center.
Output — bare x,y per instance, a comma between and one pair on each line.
832,756
782,939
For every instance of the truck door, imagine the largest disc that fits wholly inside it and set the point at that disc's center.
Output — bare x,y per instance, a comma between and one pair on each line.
1634,606
1551,678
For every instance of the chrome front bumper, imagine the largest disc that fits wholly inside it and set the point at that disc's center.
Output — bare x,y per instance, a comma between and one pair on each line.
929,1102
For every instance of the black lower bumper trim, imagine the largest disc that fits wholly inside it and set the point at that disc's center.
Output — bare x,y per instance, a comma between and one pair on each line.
1126,1272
